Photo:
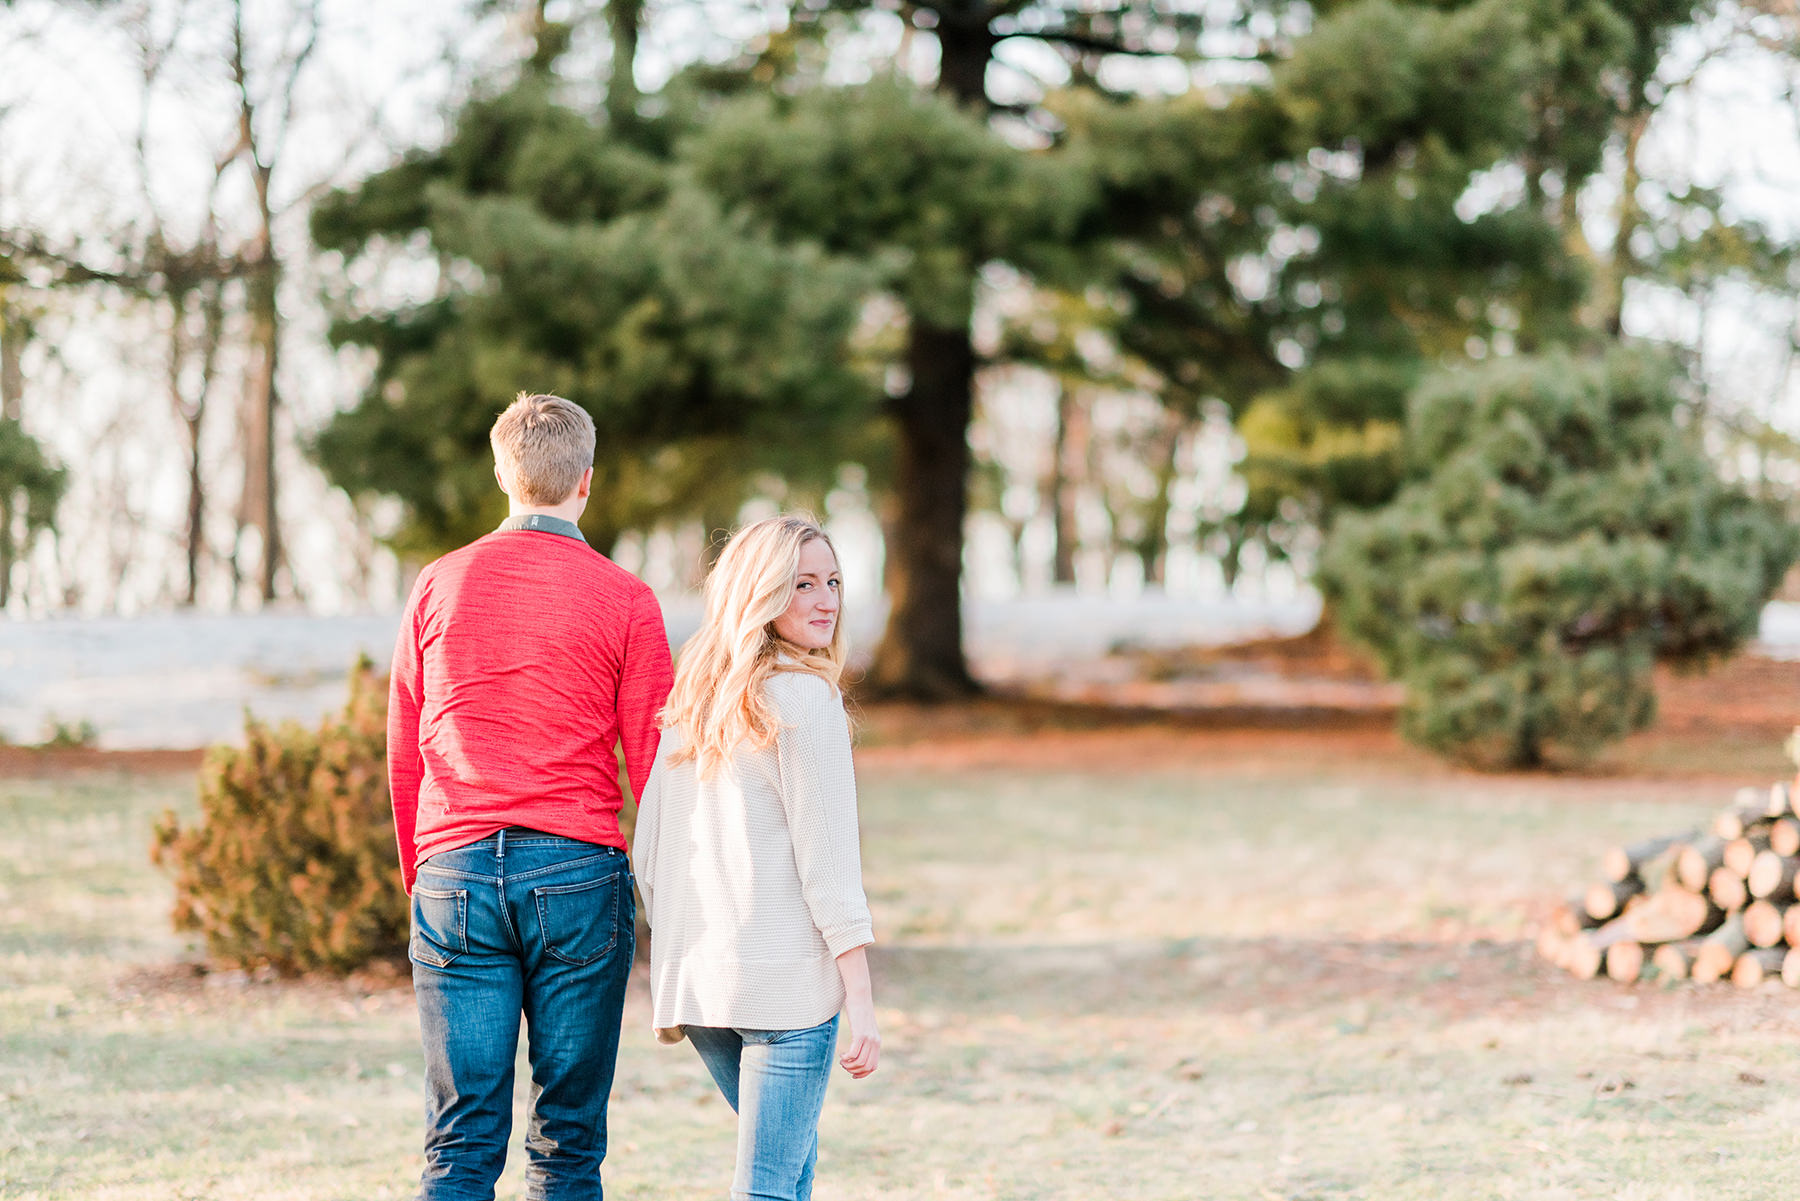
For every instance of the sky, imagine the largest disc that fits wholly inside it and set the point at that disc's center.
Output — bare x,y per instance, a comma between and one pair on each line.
380,79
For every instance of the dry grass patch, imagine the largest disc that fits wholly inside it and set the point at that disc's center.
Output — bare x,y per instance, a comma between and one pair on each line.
1204,978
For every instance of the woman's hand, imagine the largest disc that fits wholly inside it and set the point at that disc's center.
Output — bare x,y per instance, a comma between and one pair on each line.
862,1054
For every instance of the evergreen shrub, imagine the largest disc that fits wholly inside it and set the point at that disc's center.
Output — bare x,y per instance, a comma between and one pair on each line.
292,863
1562,529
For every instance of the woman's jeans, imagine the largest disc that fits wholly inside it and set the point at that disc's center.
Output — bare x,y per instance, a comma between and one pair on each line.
775,1080
519,923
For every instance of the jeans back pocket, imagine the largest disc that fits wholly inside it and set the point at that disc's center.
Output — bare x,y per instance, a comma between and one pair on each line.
579,922
440,925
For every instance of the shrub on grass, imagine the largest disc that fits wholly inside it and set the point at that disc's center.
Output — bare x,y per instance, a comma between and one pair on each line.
1562,531
292,861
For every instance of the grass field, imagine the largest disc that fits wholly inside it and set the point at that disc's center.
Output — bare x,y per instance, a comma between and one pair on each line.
1219,972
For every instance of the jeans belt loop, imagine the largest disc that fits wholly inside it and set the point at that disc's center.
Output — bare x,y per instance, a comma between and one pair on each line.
500,845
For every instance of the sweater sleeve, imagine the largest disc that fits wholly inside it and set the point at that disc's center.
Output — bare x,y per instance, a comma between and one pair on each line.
406,765
643,689
646,841
818,792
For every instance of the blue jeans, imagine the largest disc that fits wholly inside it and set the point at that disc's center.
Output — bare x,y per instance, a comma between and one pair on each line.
519,923
775,1081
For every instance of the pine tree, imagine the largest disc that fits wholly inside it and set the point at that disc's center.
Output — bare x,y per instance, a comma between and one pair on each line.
1561,531
706,352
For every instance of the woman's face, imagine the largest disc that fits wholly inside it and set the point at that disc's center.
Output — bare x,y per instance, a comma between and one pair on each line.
811,616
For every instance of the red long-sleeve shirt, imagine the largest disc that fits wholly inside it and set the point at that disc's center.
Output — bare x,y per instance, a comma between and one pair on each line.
522,660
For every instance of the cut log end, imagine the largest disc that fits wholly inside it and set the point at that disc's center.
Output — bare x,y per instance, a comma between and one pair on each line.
1772,876
1784,837
1625,961
1741,820
1719,951
1603,901
1763,923
1634,859
1753,967
1674,960
1673,913
1741,853
1727,889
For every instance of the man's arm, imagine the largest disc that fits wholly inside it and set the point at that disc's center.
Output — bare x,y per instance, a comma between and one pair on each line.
406,766
644,683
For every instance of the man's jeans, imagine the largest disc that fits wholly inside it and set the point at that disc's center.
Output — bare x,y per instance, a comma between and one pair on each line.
775,1080
520,922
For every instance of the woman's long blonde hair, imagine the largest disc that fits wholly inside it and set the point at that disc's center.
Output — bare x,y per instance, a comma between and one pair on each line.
718,699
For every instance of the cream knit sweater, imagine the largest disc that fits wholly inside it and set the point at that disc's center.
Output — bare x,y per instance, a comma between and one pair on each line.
752,878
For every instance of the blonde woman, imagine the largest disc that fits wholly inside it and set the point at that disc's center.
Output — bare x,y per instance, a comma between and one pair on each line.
747,858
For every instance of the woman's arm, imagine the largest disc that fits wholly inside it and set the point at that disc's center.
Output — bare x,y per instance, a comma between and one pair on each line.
818,792
645,838
863,1053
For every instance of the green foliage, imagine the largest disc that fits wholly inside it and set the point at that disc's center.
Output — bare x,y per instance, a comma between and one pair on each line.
1562,530
1344,238
292,861
31,485
898,178
63,735
583,263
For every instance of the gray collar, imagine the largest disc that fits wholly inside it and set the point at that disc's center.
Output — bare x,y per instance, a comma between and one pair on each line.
543,523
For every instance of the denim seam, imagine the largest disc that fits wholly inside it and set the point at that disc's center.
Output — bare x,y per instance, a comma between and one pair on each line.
462,874
563,866
457,872
461,898
506,917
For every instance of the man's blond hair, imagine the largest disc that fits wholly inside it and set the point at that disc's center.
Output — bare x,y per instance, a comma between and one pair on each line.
542,444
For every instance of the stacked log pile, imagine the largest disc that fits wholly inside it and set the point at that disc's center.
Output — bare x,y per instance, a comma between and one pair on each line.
1701,905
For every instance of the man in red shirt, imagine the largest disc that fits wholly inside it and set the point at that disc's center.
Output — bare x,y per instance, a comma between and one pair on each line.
523,660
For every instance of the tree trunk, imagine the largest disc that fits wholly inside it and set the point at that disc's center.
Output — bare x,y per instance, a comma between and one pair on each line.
921,653
196,516
6,550
13,335
261,404
965,45
1153,546
624,18
1630,217
191,410
262,282
1070,443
